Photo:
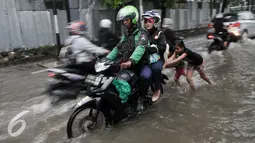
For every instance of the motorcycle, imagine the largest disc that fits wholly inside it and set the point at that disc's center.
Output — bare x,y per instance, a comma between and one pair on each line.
216,42
65,83
96,100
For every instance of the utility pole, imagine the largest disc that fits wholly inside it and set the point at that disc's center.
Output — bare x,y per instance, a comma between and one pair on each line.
163,11
211,7
162,6
67,8
224,5
55,13
250,5
141,12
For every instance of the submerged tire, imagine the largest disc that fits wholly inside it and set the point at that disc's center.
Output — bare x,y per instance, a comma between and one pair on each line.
90,120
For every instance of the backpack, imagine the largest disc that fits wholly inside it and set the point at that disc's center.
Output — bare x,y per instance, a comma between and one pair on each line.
66,54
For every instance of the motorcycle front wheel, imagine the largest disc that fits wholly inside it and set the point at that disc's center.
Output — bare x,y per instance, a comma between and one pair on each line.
87,119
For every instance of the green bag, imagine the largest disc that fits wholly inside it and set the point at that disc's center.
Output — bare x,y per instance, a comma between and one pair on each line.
123,88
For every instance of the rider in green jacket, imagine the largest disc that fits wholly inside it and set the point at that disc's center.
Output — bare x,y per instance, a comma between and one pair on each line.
130,53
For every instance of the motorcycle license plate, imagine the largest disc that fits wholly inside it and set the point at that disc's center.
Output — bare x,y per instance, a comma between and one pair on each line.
93,80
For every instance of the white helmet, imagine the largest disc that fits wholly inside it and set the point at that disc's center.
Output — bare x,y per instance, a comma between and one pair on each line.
219,15
167,22
153,14
105,23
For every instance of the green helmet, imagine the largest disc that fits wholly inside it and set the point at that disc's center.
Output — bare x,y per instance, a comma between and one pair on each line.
128,11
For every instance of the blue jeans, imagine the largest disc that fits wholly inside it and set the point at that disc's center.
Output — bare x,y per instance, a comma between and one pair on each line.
151,73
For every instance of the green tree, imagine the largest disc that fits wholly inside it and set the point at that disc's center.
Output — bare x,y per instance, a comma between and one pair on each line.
114,3
169,3
119,3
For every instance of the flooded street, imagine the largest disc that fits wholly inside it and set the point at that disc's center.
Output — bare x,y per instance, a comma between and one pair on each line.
222,113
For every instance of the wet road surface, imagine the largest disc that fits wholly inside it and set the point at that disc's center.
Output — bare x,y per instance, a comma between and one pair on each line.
212,114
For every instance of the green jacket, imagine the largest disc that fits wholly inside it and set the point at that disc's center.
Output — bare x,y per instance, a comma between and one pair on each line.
140,41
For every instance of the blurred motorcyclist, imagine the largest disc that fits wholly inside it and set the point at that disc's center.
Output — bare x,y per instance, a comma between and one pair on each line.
106,38
219,27
79,51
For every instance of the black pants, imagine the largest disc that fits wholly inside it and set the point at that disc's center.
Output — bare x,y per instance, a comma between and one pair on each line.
113,102
224,34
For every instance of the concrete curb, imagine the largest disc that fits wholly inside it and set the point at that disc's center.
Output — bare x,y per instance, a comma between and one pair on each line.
21,56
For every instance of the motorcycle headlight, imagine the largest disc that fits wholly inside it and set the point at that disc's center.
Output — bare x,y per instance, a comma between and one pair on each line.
100,66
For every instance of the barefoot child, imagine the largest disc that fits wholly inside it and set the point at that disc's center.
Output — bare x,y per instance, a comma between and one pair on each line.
195,62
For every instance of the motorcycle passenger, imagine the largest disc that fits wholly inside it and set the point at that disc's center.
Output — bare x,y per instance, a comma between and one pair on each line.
130,51
106,38
156,50
79,49
219,27
195,62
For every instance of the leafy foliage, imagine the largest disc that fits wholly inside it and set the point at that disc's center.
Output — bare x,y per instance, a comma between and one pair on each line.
114,3
169,3
119,3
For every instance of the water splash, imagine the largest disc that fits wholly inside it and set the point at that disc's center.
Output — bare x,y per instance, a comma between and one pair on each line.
45,134
42,107
200,48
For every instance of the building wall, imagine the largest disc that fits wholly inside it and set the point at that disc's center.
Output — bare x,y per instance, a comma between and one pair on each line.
28,24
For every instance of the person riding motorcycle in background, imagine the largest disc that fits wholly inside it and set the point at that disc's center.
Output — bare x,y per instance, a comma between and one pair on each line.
80,50
152,21
106,38
219,27
129,52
